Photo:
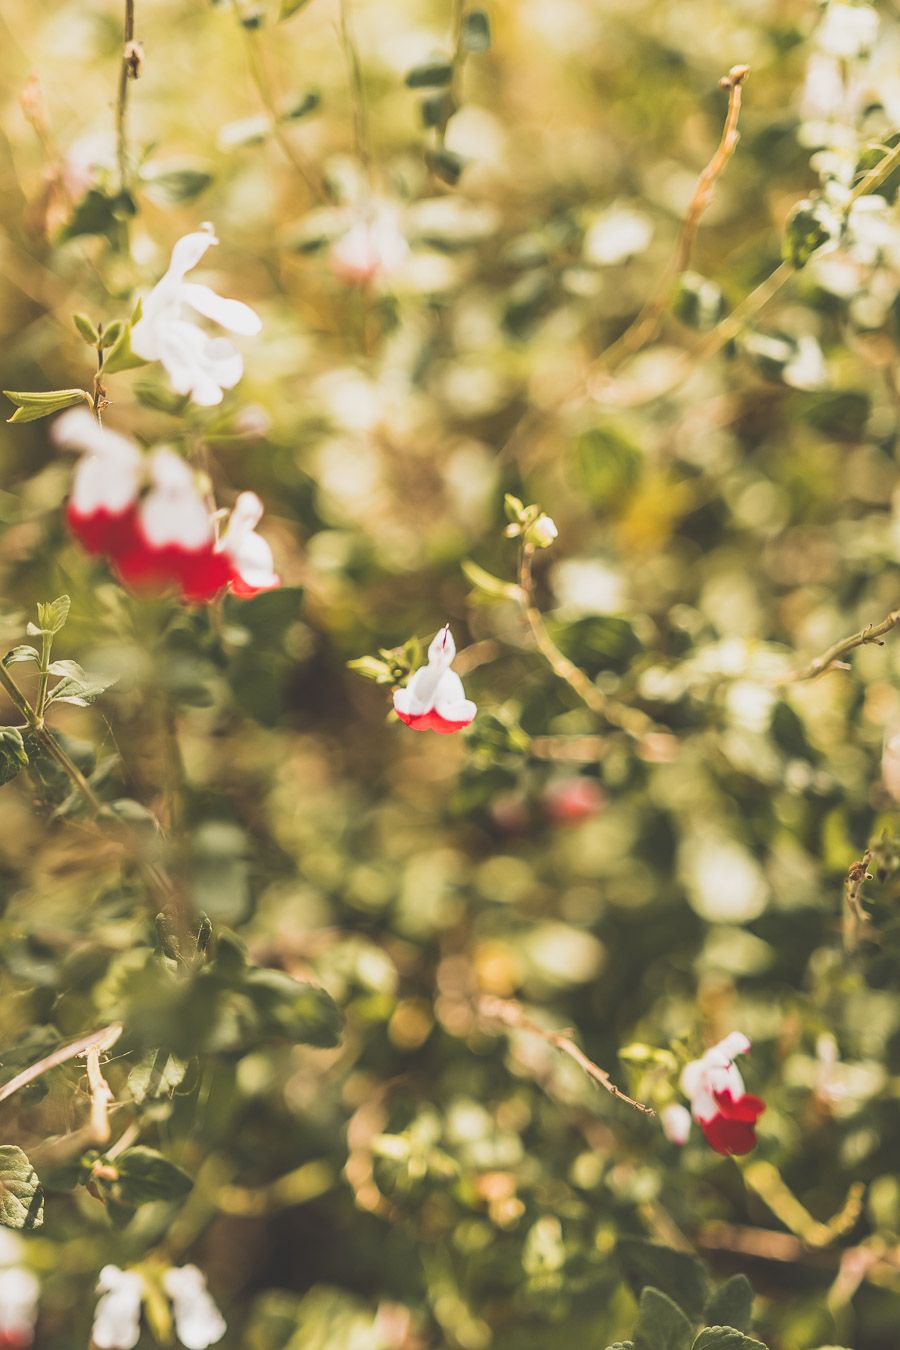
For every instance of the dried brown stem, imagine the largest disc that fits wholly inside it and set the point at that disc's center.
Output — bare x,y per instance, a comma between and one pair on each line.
832,658
647,324
101,1096
96,1041
511,1014
617,714
856,922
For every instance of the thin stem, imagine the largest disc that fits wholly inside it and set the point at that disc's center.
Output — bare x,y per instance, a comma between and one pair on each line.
260,76
358,89
43,674
97,1041
49,741
648,322
631,720
750,306
129,70
511,1014
856,922
832,658
101,1096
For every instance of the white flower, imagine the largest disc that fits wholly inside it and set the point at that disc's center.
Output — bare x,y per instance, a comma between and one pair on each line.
247,551
616,235
847,31
108,476
372,248
19,1291
197,364
173,512
675,1120
117,1320
434,699
198,1322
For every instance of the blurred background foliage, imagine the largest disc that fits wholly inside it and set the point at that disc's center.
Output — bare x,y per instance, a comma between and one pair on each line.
419,1177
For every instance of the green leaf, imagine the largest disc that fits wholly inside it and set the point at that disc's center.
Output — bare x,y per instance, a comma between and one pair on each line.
445,165
809,225
99,213
111,333
43,403
146,1175
52,616
120,356
86,329
13,756
476,31
725,1338
437,109
289,8
21,1193
681,1276
610,462
173,186
661,1323
79,690
295,108
156,1074
302,1012
732,1304
698,302
488,584
19,654
432,75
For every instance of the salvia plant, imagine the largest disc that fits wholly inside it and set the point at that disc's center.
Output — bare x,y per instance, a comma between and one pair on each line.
526,377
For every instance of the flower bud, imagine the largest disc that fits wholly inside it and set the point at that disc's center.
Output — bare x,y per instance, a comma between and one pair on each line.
542,532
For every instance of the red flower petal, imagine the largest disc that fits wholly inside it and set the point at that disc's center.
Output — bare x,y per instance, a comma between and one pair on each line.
431,721
102,531
731,1129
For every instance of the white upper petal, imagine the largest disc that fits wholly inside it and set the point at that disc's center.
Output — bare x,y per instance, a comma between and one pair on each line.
231,314
174,512
198,1322
78,429
117,1320
108,484
188,251
436,686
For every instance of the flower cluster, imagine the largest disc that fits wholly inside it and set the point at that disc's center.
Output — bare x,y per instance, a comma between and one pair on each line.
724,1110
19,1290
147,515
434,698
117,1320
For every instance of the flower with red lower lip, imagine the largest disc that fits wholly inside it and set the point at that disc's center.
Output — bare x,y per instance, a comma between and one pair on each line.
173,541
372,249
107,481
725,1112
434,699
19,1292
572,800
252,567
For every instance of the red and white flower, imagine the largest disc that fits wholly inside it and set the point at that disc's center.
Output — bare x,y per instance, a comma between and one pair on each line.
434,699
724,1110
251,565
372,248
19,1292
106,484
197,364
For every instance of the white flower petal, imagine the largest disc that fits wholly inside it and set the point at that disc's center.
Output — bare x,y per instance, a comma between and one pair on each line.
188,251
117,1320
198,1322
231,314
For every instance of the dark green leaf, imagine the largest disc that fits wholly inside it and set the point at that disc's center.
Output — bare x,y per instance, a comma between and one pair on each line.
156,1074
445,165
698,302
296,108
610,462
732,1304
432,75
13,756
437,109
809,226
146,1175
172,187
304,1013
21,1193
289,8
661,1324
725,1338
677,1274
476,31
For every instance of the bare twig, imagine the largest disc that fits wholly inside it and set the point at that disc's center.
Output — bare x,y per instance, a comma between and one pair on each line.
647,324
357,88
101,1096
832,658
129,69
96,1041
765,1245
630,720
856,922
766,1181
510,1014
